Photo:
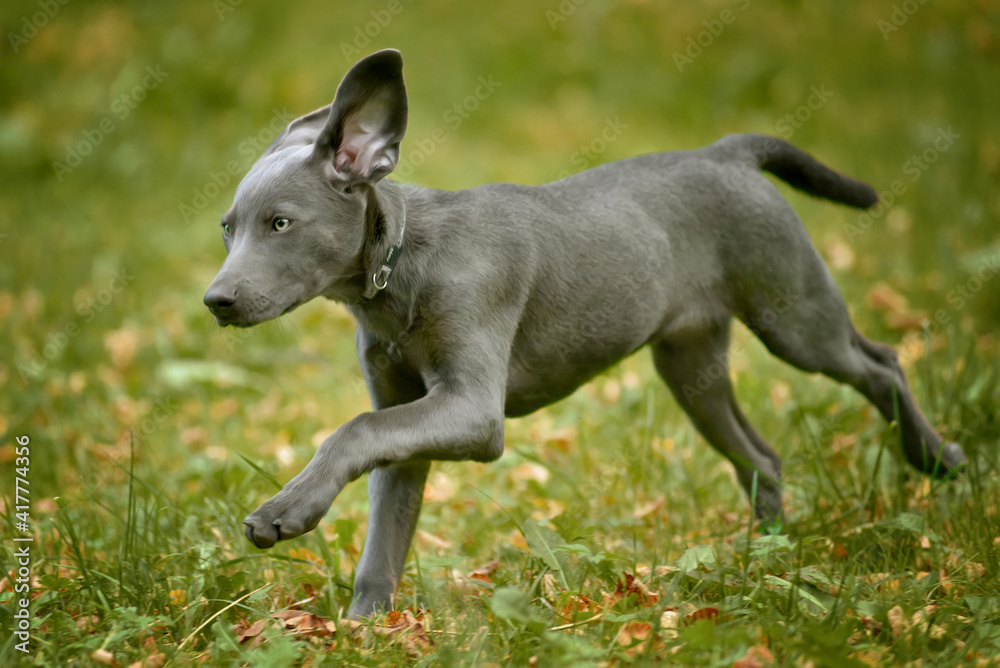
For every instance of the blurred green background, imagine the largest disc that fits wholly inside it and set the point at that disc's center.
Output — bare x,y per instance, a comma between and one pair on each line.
118,122
124,129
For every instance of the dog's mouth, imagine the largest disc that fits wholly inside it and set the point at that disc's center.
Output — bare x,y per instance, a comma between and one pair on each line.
228,319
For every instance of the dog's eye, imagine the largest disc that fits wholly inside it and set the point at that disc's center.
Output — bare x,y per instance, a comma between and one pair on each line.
280,224
225,229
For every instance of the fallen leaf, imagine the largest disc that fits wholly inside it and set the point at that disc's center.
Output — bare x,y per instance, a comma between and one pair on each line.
576,604
707,613
974,570
883,298
921,620
631,632
896,621
636,637
155,660
244,631
648,508
530,471
898,315
104,657
550,588
839,253
305,555
780,393
440,487
485,571
405,628
121,344
757,656
518,541
670,623
426,539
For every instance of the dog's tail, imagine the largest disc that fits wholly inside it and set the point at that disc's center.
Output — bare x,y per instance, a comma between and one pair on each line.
800,170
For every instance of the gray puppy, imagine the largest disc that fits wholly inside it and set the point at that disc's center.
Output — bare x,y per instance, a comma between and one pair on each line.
496,301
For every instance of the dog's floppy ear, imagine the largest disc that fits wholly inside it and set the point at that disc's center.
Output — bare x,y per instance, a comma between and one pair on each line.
300,132
360,141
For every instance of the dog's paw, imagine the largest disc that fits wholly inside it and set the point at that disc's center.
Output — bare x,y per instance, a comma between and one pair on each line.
369,604
952,461
281,519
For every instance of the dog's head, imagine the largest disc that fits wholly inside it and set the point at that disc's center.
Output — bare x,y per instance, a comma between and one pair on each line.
308,220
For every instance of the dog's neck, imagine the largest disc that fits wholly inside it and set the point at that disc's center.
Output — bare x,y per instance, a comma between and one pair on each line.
384,302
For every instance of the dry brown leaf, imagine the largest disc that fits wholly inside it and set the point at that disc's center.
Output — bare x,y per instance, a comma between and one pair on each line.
518,541
974,570
550,588
440,487
154,660
883,298
104,657
121,344
707,613
426,539
669,623
530,471
648,508
486,571
910,320
631,632
305,555
896,621
781,392
921,620
839,254
405,628
898,315
636,637
244,631
576,604
757,656
629,585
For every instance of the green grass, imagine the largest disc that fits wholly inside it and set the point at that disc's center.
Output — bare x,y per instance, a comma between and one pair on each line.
153,432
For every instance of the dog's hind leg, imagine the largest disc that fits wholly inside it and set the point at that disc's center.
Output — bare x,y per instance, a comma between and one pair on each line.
697,371
808,326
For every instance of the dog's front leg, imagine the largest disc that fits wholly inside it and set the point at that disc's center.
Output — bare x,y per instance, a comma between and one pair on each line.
395,495
446,424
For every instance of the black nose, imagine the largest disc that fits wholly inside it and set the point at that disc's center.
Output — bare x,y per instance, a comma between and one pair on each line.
220,300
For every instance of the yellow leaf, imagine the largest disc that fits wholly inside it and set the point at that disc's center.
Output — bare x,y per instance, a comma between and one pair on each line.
896,621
